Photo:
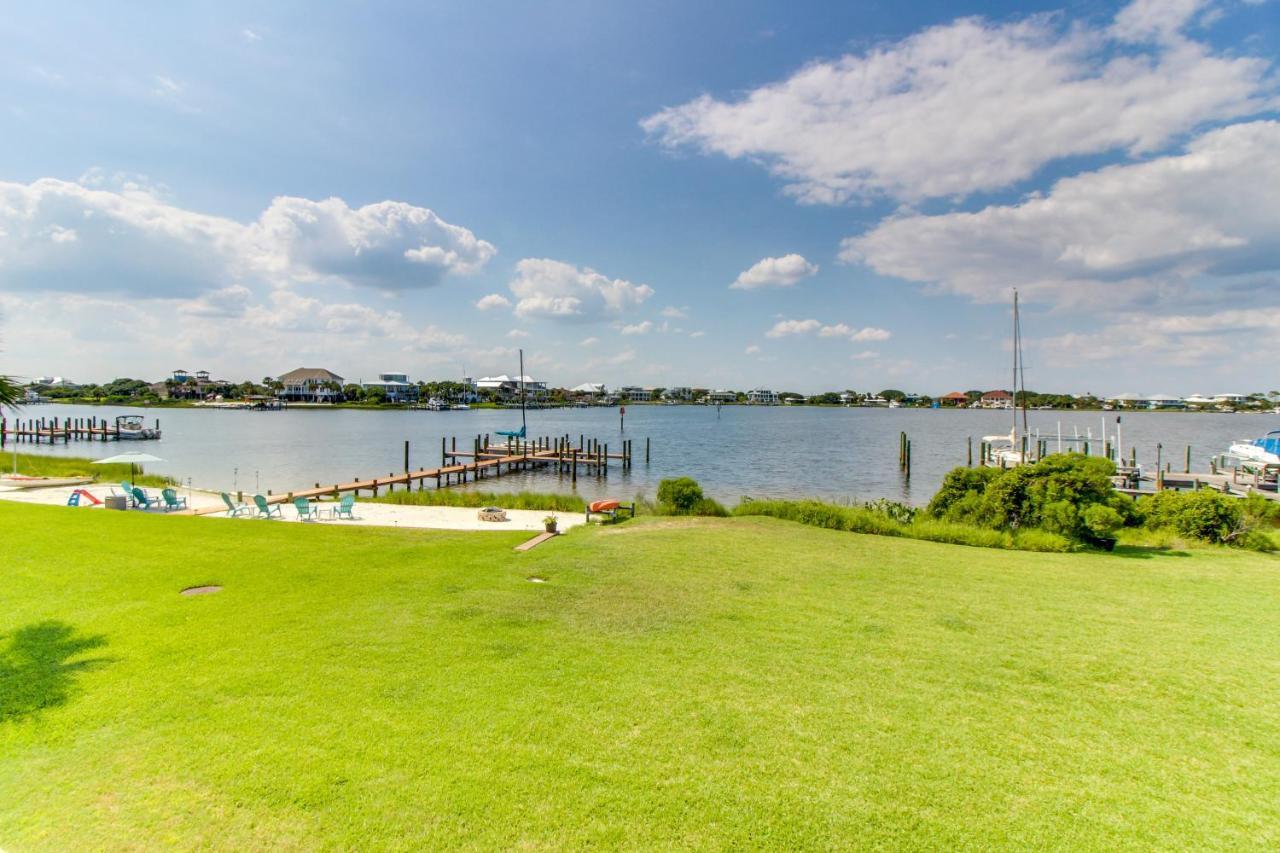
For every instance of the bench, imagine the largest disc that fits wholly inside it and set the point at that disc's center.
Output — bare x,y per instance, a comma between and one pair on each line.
610,508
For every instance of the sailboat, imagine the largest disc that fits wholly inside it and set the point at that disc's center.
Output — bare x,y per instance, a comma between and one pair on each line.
524,423
1011,450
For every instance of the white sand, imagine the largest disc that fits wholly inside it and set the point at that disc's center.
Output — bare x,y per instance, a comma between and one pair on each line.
366,514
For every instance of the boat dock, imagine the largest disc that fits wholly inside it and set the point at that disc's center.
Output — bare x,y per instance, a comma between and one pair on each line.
67,430
482,460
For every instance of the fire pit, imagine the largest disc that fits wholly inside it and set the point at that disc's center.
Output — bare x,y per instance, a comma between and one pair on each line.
492,513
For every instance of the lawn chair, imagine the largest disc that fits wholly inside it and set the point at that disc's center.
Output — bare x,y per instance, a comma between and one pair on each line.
235,509
307,511
127,488
266,510
142,500
346,508
171,500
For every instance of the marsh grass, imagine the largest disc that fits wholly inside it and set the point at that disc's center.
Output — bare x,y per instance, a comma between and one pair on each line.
548,501
36,465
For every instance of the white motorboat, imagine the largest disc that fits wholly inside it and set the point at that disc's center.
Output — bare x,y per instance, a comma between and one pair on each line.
130,428
1259,451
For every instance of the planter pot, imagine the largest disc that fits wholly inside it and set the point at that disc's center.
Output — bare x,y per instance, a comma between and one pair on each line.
551,528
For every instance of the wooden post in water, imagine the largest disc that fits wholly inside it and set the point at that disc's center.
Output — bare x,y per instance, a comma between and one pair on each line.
907,460
970,463
646,450
406,460
1187,470
1159,468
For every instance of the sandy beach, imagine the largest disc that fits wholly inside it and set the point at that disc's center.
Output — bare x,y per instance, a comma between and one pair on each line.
366,514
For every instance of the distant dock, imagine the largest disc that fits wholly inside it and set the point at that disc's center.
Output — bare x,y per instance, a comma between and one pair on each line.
67,430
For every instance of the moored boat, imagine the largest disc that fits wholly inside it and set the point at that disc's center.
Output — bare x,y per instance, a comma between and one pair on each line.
1259,451
20,481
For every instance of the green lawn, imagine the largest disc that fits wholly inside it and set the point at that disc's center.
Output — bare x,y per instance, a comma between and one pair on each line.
743,682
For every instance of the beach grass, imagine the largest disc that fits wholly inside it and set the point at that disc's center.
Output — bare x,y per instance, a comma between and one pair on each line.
670,683
549,501
38,465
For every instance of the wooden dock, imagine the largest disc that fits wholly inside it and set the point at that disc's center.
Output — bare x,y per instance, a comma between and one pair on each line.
54,430
589,457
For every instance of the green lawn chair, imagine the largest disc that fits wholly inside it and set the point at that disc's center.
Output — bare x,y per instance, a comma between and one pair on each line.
346,508
234,509
127,488
307,511
266,510
142,500
171,500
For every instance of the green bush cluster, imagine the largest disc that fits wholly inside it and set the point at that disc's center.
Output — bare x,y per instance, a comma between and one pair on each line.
1212,516
683,496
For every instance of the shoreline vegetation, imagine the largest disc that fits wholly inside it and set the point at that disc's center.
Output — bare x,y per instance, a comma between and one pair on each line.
1065,502
193,393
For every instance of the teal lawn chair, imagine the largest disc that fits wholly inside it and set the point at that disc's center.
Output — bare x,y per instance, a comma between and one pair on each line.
171,500
266,510
346,508
234,509
307,511
142,500
127,488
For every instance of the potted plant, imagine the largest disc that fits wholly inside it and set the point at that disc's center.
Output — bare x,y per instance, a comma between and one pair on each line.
550,523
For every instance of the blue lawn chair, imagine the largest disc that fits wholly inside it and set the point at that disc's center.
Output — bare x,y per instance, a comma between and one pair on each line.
307,511
266,510
346,508
171,500
142,500
235,509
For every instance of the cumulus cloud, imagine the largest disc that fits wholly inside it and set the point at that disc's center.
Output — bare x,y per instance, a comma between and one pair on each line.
783,328
675,313
561,291
493,301
390,245
642,328
698,334
121,236
1185,340
1130,231
517,333
588,342
785,271
843,330
975,105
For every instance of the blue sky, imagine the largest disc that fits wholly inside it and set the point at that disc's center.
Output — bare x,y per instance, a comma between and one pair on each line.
246,190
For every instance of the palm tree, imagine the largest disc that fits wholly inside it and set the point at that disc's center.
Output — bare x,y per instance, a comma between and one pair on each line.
10,394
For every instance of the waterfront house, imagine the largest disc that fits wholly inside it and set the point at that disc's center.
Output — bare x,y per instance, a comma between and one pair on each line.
874,400
721,395
1126,401
395,386
635,393
762,397
679,394
181,375
507,388
998,399
955,398
587,392
1231,399
1199,401
1164,401
53,382
309,385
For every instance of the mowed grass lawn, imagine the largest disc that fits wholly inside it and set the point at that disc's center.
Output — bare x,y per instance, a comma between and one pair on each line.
718,683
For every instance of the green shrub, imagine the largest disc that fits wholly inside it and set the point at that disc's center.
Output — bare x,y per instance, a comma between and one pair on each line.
932,530
894,510
1206,515
708,507
465,498
1102,521
681,494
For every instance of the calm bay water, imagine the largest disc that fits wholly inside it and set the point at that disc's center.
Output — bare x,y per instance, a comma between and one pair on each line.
767,451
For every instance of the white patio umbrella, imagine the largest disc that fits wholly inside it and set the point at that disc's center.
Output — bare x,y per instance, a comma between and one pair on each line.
133,458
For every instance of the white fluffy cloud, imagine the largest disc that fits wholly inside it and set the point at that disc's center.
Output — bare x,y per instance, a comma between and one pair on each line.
785,271
493,301
1128,231
561,291
642,328
389,245
975,105
81,237
843,330
783,328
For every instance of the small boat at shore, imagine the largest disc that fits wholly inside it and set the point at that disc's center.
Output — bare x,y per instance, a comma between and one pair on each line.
1259,451
130,428
20,481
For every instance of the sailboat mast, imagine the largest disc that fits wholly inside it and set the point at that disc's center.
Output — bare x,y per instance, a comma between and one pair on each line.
1022,366
523,422
1014,386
